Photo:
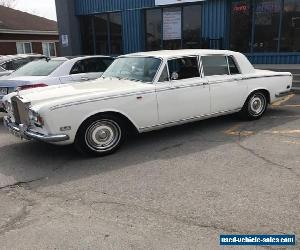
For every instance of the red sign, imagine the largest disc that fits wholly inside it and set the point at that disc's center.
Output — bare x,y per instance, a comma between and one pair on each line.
240,8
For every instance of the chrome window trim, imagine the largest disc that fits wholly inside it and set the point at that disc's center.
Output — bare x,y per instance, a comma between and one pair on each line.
255,77
183,86
165,65
228,68
236,65
100,99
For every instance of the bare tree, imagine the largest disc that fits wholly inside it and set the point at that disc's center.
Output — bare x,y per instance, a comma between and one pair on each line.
8,3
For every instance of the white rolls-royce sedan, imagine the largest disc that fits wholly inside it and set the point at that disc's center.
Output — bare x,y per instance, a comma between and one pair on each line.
143,92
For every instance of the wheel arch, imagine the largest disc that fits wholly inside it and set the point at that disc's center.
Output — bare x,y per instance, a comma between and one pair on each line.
263,90
129,123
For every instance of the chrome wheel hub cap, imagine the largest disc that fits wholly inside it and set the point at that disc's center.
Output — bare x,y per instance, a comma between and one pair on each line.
103,135
257,104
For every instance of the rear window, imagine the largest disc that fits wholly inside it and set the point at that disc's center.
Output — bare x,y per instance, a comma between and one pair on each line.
215,65
91,65
38,68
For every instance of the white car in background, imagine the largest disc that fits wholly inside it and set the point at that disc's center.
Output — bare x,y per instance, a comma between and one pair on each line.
54,71
10,63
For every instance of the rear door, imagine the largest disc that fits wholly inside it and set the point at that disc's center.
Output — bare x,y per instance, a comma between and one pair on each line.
225,81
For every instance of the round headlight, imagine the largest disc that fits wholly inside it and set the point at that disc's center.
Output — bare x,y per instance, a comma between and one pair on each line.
35,118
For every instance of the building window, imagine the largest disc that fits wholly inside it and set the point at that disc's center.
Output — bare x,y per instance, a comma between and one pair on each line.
115,24
102,34
192,27
290,35
241,15
267,19
87,35
49,49
24,47
153,29
265,25
173,27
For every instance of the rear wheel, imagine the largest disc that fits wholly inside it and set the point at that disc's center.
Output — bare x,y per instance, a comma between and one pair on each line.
100,135
255,106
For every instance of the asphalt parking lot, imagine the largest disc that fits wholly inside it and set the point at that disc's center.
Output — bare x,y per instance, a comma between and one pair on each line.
178,188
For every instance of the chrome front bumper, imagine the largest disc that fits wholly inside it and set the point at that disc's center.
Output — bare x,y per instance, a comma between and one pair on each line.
23,132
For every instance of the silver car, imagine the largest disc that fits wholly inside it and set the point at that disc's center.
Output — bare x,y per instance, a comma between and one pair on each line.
10,63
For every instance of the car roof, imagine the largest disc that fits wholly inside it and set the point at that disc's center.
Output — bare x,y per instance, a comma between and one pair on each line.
18,56
182,52
76,58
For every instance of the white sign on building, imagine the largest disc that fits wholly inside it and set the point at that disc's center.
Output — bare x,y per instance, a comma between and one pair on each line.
166,2
65,40
171,25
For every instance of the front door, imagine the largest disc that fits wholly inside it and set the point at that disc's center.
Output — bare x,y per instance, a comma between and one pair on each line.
181,92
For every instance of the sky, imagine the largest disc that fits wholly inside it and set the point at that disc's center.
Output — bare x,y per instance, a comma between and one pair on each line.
44,8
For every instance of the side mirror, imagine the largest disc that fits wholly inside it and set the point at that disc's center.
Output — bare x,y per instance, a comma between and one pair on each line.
174,76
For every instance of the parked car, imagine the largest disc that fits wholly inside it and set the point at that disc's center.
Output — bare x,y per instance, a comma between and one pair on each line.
58,70
144,91
9,64
3,72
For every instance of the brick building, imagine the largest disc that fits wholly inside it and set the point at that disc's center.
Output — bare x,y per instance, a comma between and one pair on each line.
22,33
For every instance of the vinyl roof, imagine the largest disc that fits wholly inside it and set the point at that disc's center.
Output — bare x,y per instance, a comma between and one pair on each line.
182,52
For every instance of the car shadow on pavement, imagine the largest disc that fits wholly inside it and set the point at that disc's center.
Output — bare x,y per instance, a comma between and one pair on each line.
29,161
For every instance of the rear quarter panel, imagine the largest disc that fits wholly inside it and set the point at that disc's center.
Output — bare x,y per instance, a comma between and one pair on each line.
273,82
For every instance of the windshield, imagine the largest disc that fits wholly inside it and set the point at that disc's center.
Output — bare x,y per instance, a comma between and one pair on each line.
1,69
134,68
38,68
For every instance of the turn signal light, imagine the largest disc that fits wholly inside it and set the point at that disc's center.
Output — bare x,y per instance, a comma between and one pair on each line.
31,86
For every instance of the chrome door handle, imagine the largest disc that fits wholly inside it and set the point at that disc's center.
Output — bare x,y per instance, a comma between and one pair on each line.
84,78
205,83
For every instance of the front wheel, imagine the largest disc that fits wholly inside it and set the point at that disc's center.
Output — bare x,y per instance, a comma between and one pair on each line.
255,106
100,135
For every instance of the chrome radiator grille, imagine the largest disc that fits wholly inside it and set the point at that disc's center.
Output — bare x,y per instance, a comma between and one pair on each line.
20,110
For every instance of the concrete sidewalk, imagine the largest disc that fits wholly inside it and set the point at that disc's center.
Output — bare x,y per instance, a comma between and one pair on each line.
293,68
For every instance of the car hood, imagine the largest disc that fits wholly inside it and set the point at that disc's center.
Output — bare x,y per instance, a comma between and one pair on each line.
65,93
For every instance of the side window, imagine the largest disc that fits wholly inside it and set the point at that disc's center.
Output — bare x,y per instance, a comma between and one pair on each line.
91,65
78,68
164,77
183,68
232,66
214,65
95,65
107,61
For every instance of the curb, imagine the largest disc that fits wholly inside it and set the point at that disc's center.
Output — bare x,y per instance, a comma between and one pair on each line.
296,90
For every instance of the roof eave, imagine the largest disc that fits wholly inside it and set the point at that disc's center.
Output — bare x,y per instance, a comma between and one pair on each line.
29,32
